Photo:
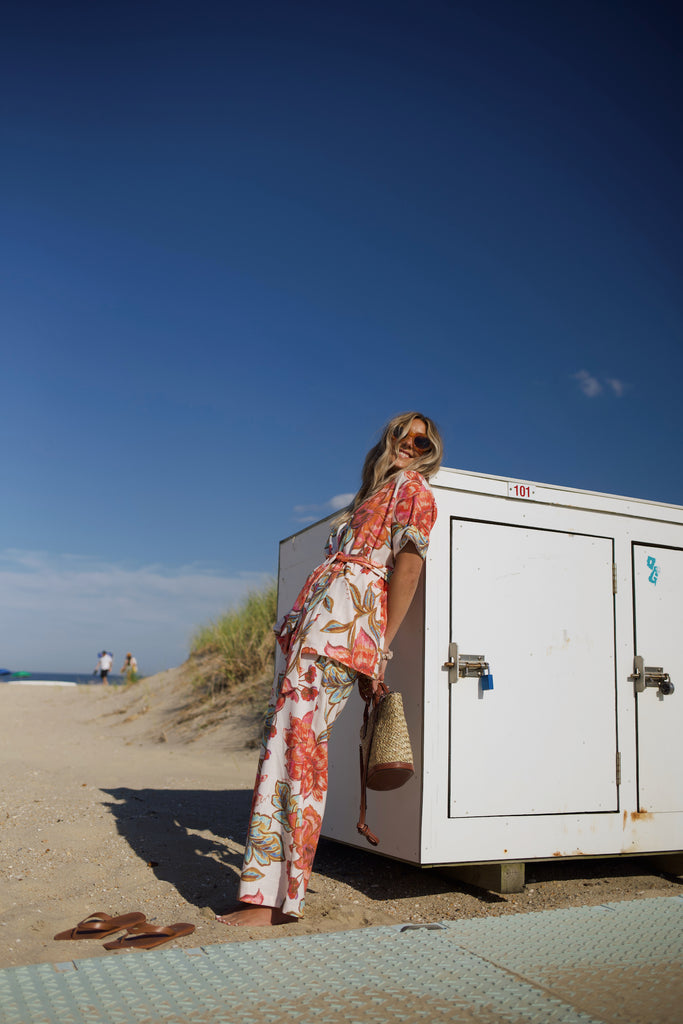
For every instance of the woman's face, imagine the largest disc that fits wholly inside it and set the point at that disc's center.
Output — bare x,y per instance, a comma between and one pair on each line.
405,448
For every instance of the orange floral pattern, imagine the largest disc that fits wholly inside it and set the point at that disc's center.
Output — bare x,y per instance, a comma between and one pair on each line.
341,611
306,837
291,786
306,757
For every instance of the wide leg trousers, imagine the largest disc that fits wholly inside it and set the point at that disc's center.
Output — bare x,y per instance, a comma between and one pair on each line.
291,781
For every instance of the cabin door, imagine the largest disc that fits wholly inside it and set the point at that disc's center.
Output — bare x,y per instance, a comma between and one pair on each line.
538,605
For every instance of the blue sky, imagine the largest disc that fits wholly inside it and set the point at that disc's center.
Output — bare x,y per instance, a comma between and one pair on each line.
237,238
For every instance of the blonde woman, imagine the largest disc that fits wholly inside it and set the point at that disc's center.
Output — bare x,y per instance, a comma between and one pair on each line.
339,633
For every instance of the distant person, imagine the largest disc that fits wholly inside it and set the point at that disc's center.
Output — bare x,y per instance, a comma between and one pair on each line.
105,660
336,636
130,667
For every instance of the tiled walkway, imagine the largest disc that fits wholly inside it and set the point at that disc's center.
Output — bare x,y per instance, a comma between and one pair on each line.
616,963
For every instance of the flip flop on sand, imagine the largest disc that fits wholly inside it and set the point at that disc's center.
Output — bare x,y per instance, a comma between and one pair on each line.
99,925
147,936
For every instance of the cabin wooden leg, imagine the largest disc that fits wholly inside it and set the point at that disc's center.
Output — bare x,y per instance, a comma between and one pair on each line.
505,877
669,863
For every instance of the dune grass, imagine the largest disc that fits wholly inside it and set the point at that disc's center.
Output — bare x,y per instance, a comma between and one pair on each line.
239,646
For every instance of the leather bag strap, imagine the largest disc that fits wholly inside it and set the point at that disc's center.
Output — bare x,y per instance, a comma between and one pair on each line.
373,699
361,826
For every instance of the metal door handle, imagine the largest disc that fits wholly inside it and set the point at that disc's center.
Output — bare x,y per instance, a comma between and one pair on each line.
461,665
644,676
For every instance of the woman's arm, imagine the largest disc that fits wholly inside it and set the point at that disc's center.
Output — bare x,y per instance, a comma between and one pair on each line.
400,592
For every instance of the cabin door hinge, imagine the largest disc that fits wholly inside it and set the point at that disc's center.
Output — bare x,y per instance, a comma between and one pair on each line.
618,767
614,578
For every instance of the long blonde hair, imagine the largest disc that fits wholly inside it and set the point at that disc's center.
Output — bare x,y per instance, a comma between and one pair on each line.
379,462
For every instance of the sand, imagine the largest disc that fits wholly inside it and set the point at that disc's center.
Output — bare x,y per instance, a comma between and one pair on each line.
107,804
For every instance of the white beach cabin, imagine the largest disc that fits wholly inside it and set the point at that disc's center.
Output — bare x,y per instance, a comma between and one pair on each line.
541,667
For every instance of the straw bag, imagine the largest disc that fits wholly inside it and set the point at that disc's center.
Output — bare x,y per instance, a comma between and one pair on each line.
386,757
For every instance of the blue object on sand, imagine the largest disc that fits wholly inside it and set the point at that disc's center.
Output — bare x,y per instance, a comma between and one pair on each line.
5,672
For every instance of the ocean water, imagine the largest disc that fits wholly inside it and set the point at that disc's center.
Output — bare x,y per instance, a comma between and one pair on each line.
66,677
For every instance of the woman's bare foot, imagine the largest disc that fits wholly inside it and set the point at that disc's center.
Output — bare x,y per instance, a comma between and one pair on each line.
255,917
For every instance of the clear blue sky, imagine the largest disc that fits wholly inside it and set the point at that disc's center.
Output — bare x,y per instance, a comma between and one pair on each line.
236,238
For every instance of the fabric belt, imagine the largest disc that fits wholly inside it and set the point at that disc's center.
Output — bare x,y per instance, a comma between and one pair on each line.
368,563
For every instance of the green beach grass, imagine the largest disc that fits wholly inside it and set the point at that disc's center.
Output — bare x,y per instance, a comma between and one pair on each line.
238,647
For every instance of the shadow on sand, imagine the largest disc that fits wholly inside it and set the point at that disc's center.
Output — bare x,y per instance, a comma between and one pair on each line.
194,839
190,838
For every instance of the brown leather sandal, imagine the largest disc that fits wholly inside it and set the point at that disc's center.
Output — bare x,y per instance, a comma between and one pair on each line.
147,936
99,925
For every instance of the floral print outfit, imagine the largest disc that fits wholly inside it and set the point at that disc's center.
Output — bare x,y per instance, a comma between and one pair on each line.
333,634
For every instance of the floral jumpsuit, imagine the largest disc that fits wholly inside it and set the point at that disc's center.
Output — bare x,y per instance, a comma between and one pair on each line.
332,635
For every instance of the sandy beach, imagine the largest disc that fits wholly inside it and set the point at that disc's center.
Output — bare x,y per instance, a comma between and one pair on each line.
108,805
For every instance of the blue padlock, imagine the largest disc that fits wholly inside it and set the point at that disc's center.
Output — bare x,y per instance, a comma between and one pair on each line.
487,681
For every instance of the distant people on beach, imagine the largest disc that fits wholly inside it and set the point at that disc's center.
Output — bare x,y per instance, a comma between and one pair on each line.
129,669
105,660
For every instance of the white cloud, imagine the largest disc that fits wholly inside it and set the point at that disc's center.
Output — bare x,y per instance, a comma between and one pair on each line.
617,386
592,387
340,500
589,385
57,611
311,513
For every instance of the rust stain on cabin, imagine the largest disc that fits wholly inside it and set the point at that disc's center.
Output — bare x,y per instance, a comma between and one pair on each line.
641,815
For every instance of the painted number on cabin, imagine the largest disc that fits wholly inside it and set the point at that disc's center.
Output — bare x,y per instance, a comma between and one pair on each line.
520,490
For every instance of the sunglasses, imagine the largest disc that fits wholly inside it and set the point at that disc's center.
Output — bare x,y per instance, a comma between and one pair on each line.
419,441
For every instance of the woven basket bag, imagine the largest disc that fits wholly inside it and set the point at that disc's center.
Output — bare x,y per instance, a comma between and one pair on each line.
386,757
